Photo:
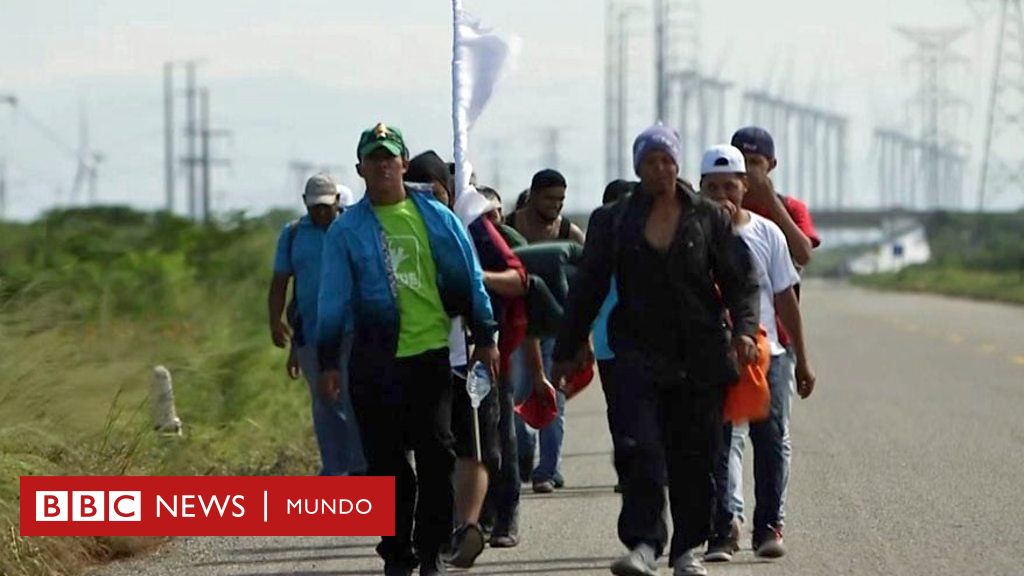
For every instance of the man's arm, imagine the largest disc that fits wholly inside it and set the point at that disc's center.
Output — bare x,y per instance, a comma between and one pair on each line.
800,246
507,284
481,322
278,292
279,331
589,286
788,309
576,235
504,273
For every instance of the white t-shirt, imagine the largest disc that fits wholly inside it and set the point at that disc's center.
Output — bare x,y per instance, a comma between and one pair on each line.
775,270
457,355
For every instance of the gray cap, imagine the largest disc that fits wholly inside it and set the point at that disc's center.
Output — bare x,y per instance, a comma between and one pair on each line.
320,189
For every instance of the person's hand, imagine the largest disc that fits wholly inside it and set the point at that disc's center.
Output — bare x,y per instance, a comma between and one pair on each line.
805,379
760,188
329,385
489,357
562,371
292,366
280,333
745,350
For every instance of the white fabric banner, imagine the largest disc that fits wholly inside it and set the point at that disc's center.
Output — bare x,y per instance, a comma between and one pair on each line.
478,59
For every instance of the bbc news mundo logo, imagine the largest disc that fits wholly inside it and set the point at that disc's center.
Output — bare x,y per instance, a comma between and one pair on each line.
206,506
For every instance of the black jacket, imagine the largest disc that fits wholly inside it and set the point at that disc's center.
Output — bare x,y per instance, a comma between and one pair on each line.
704,254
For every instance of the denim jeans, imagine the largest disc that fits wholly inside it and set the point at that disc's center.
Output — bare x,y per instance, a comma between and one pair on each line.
501,508
772,453
551,435
337,435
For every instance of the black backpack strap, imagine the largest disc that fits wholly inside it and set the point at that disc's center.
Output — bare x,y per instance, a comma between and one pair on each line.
565,229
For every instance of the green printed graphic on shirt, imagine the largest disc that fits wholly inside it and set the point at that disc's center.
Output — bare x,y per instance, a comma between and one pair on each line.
424,325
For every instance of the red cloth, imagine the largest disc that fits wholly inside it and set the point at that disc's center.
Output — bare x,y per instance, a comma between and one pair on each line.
539,410
579,380
512,319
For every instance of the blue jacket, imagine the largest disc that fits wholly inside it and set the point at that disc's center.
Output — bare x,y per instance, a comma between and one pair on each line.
357,296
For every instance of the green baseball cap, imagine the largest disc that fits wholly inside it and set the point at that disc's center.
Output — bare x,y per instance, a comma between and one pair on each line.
381,136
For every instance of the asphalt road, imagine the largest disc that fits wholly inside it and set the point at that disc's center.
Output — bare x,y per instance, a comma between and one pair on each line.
908,460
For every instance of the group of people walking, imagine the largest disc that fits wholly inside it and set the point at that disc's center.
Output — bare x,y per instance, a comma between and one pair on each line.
401,297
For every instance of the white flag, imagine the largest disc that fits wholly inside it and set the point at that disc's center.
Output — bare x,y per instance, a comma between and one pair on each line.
478,58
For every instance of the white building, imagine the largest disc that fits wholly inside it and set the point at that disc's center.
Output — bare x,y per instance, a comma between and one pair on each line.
898,251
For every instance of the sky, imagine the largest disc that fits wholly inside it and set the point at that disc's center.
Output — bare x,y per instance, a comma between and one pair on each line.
299,79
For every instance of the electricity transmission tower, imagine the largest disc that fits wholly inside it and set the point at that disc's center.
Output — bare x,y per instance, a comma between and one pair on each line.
87,173
935,109
1002,166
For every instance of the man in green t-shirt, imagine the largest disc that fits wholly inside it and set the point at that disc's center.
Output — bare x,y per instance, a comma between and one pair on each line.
396,268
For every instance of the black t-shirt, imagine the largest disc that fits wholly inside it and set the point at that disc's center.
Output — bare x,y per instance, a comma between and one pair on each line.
648,320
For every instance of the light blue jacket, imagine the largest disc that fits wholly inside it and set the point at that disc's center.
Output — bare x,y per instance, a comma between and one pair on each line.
358,294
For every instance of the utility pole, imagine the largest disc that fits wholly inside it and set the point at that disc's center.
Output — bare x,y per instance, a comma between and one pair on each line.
661,48
1002,166
12,101
611,66
190,136
206,161
204,120
3,187
169,135
618,36
552,139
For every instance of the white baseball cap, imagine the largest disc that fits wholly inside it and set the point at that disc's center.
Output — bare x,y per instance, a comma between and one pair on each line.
723,159
345,196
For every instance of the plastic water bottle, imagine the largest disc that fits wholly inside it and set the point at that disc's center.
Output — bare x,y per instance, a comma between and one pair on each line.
478,384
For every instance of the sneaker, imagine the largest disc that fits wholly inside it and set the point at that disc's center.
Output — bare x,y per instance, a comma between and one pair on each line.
433,567
640,561
467,544
397,568
558,480
688,564
770,544
543,486
507,540
722,548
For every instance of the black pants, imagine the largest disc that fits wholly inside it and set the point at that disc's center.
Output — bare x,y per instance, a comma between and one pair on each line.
606,370
462,424
418,419
665,422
